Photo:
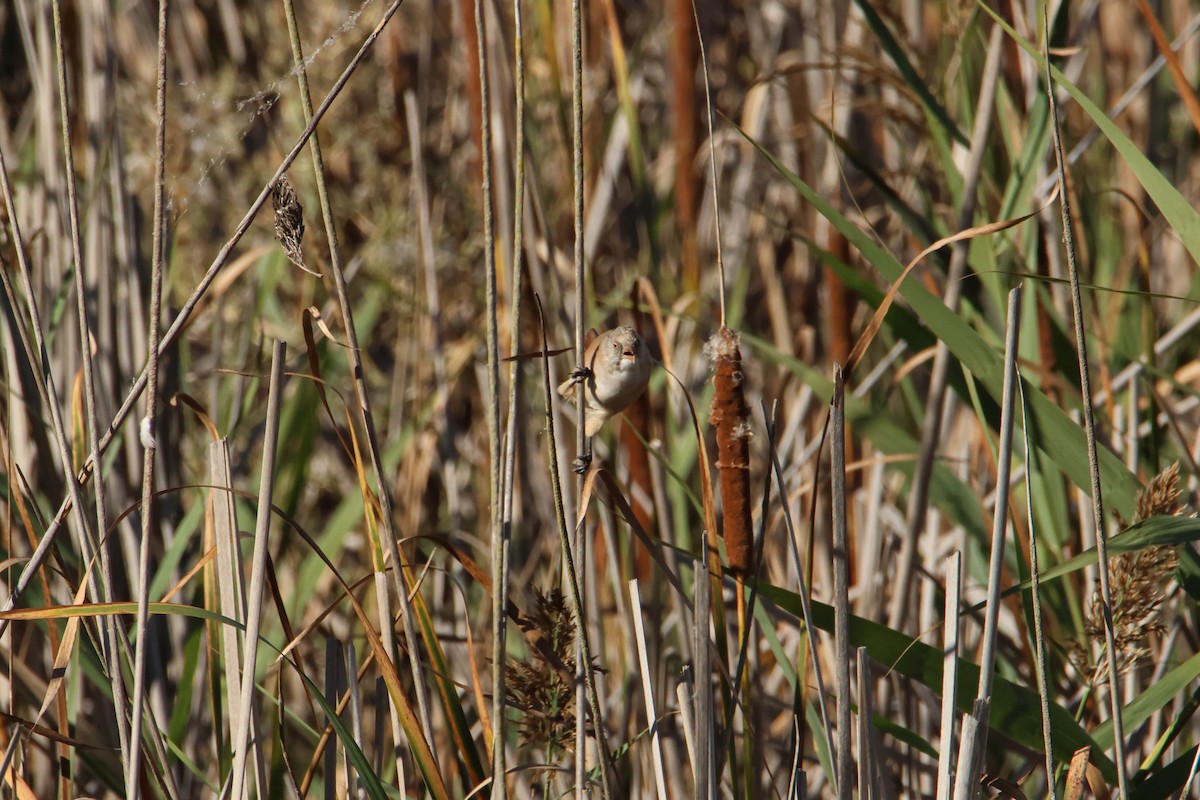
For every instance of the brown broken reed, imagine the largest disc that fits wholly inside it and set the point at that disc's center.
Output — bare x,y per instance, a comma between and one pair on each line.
731,417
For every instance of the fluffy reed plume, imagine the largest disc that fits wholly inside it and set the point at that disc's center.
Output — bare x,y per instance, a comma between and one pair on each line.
1138,581
731,417
543,686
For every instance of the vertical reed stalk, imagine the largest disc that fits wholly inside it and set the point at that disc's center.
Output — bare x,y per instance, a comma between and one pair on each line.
841,587
243,739
387,529
682,55
500,543
975,741
704,755
1089,421
803,590
945,777
132,783
635,602
582,666
868,787
1039,637
87,537
583,648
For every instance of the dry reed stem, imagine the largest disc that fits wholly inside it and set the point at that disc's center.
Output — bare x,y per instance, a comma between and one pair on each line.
583,650
1089,420
703,746
975,729
503,535
580,540
246,735
132,776
1039,637
844,759
950,638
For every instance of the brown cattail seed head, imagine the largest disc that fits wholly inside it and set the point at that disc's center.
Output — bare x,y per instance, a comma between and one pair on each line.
731,417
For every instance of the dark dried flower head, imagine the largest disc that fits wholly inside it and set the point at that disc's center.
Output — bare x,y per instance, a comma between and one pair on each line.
289,222
543,687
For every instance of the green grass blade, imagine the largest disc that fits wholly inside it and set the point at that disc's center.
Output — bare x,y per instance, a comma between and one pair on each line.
1015,711
1155,697
1055,433
1177,210
1152,532
890,46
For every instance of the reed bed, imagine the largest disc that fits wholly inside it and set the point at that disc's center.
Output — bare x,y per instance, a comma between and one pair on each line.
907,508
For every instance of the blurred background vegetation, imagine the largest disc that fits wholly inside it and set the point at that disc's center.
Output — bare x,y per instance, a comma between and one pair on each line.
845,138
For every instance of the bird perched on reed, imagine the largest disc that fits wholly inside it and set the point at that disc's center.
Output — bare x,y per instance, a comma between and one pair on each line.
615,370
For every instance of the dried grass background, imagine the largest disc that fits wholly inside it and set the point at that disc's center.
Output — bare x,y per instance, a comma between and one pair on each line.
834,92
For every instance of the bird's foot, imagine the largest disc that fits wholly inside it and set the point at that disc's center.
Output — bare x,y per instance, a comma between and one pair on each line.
581,374
580,465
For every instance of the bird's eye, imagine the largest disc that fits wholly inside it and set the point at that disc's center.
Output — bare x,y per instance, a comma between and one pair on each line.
616,345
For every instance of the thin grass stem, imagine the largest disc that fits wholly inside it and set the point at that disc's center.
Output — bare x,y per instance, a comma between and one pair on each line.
1039,640
243,740
975,734
592,698
503,537
841,585
1089,421
149,445
582,668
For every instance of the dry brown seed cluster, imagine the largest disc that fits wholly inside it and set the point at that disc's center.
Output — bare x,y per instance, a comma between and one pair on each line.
289,221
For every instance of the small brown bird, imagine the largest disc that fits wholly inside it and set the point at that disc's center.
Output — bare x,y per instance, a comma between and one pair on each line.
616,370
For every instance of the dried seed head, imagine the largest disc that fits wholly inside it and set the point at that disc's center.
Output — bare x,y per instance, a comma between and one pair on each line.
1160,496
542,686
1137,581
289,222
